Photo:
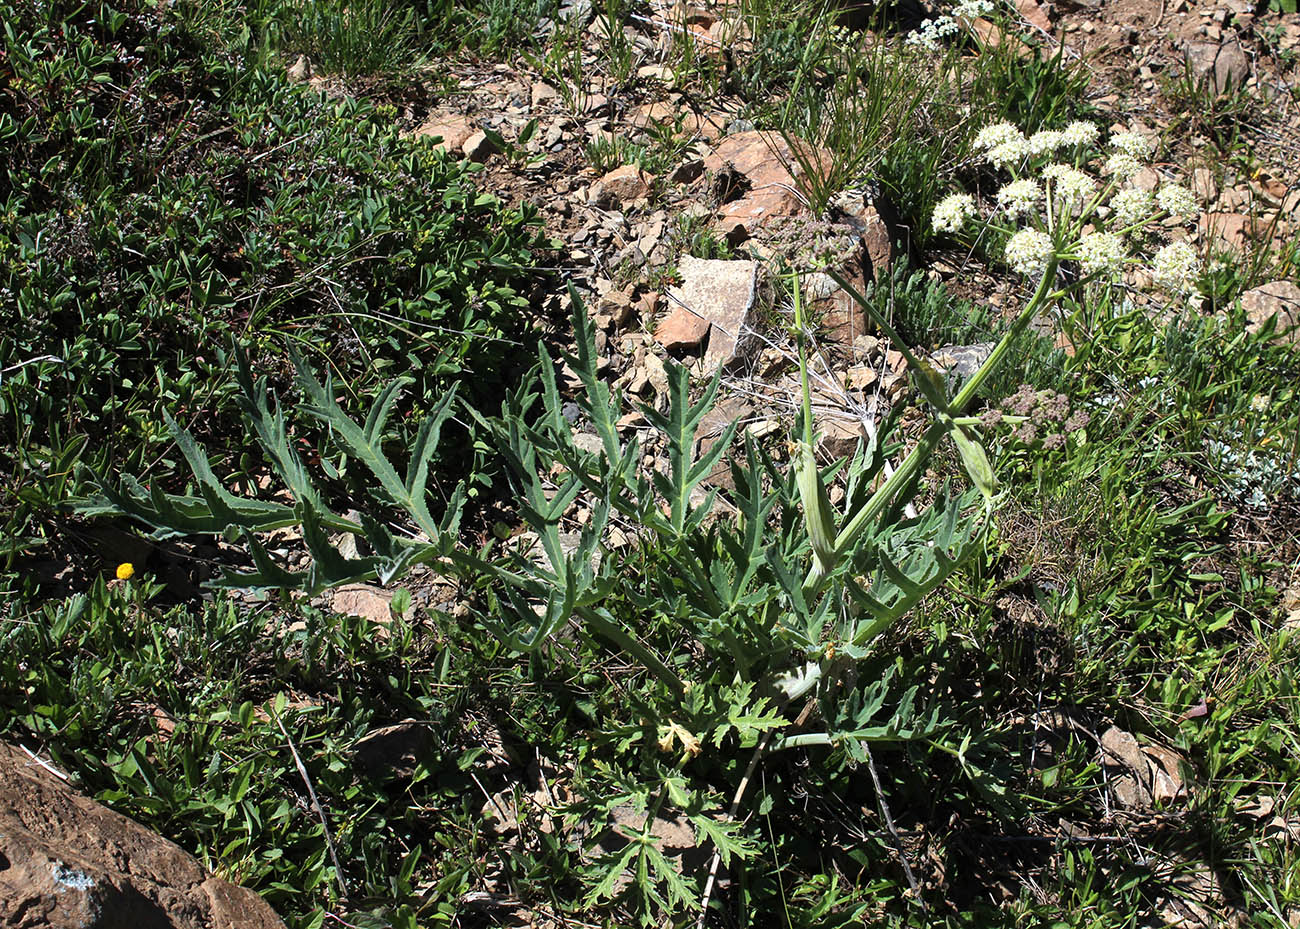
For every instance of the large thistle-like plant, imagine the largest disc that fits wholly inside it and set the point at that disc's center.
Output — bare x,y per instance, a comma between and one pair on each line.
785,598
752,618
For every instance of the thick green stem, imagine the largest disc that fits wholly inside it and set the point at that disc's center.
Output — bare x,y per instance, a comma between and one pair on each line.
802,340
991,364
921,452
879,500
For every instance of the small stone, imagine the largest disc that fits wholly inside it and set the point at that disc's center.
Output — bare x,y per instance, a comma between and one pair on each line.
838,437
363,601
1231,230
299,71
686,172
621,186
451,131
681,330
860,377
661,73
543,93
478,147
1204,185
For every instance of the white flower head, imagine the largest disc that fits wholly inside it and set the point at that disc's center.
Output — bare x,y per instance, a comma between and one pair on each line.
1008,153
1020,198
1049,140
1176,200
1133,143
1029,251
991,137
931,32
972,9
1175,268
1101,251
1132,205
952,212
1070,185
1080,132
1123,166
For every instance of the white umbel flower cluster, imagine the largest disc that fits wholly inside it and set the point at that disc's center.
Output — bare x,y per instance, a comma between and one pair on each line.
1029,251
1175,268
1123,166
1080,206
1042,143
931,33
1132,143
1176,200
1101,252
952,212
1070,185
1003,144
972,9
1008,153
1080,132
1020,198
991,137
1131,205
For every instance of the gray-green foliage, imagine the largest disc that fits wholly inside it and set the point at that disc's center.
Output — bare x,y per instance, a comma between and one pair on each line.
724,619
883,566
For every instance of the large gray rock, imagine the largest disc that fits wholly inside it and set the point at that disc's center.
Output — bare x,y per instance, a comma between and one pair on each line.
66,862
721,292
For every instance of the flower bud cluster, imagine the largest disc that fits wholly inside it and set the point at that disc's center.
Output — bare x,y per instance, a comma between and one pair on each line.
1065,201
1039,416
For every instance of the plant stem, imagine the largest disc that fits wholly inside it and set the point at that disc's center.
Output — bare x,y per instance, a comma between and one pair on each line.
972,386
629,643
918,455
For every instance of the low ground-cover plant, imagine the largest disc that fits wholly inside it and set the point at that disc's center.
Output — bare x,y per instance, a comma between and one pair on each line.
189,718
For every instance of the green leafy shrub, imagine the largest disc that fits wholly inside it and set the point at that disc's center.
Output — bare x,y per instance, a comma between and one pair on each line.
163,192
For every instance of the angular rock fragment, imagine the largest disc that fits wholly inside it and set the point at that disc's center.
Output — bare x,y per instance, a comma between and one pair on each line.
720,293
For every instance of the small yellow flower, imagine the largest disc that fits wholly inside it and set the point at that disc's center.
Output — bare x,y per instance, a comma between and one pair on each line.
125,571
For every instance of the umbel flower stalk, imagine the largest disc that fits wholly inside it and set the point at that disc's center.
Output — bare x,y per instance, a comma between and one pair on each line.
948,421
